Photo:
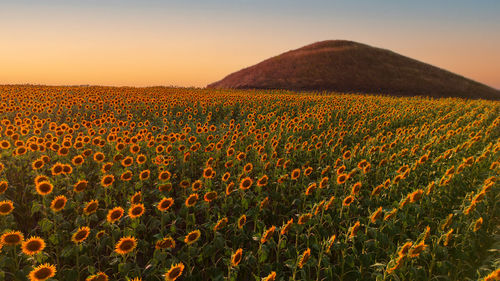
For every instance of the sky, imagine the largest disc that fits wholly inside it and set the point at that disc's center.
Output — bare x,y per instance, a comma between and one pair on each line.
193,42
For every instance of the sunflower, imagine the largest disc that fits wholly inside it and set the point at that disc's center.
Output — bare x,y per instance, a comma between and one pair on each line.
404,250
197,185
286,227
174,272
210,196
164,176
165,204
184,183
58,203
270,277
267,234
416,195
390,214
125,245
303,219
478,224
11,238
191,200
126,176
417,249
264,203
241,221
229,188
127,161
295,174
106,167
67,169
263,180
141,159
376,190
305,257
342,178
136,210
99,276
347,155
356,188
329,203
100,234
44,188
220,224
192,237
80,235
42,272
236,257
107,180
80,186
6,207
447,237
399,263
165,243
144,175
354,229
3,186
248,168
136,198
37,164
376,215
310,189
91,207
226,176
77,160
114,214
246,183
308,171
56,169
33,245
348,200
208,173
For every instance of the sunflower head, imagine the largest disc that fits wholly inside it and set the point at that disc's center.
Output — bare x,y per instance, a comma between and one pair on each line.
6,207
136,211
125,245
33,246
43,188
11,238
165,204
236,258
165,243
246,183
58,203
100,276
191,200
304,258
91,207
42,272
80,235
174,272
80,186
114,214
192,237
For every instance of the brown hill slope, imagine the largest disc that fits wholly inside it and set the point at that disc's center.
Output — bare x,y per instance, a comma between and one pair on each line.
346,66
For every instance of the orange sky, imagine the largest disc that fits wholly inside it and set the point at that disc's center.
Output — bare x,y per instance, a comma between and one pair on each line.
60,44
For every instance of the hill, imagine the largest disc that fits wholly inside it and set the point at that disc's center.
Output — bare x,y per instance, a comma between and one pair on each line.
346,66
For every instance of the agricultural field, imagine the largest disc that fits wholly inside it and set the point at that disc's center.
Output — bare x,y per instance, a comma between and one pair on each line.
103,183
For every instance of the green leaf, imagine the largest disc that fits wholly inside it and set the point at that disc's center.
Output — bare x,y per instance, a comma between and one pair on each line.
46,224
35,208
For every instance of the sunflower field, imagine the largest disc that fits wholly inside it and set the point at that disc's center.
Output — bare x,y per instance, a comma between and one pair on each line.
106,183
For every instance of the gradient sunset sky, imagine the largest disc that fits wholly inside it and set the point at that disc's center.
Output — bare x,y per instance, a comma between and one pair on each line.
193,43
